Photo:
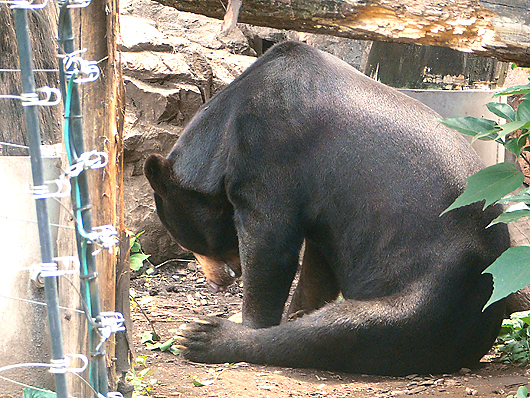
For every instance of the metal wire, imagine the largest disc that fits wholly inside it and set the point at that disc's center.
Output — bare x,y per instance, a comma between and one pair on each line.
18,383
25,5
47,391
34,70
35,222
56,365
14,145
41,303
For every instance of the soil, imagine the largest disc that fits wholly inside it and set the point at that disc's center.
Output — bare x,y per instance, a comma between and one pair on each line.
177,291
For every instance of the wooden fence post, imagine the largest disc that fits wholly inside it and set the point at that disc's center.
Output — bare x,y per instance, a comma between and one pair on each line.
103,104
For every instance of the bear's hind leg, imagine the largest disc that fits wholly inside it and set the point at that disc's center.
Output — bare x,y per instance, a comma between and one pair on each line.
316,286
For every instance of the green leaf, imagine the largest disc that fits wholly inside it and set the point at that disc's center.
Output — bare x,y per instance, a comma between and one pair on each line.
522,392
520,89
144,372
521,196
160,346
472,126
167,344
489,184
486,136
513,126
142,359
512,144
523,111
135,245
502,110
32,393
149,337
509,217
511,272
515,145
137,260
152,346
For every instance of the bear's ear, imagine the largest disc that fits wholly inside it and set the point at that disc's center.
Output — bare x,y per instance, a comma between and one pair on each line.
159,173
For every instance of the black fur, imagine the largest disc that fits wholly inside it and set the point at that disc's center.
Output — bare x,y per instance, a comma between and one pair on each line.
302,147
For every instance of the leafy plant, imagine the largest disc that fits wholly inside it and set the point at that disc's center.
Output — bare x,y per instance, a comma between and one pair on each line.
514,339
511,271
150,337
138,380
137,256
152,342
522,392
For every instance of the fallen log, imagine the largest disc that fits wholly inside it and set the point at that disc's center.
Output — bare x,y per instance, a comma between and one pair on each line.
494,28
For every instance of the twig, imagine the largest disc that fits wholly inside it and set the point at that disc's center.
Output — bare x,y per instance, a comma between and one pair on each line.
184,260
525,158
145,315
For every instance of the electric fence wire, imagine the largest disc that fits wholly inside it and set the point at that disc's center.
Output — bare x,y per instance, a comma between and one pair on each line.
29,387
46,391
35,222
73,70
34,70
14,145
33,302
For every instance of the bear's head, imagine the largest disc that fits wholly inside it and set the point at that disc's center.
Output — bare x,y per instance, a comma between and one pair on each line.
200,223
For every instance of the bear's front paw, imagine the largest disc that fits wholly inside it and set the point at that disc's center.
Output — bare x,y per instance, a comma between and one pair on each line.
210,340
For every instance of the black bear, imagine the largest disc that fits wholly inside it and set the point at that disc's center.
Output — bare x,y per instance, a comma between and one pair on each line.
303,148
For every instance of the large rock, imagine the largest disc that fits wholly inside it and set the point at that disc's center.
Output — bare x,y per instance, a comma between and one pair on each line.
197,29
152,104
162,68
140,34
140,211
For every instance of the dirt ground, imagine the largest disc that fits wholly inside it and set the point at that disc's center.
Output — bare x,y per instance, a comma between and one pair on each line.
178,289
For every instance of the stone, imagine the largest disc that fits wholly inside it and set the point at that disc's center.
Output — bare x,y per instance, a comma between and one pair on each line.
139,207
139,34
157,67
195,28
175,105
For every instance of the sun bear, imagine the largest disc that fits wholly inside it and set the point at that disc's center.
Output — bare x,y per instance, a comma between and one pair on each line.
303,149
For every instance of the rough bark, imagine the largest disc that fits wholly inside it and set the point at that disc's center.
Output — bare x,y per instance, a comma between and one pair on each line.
496,28
43,33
